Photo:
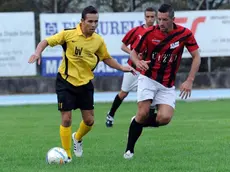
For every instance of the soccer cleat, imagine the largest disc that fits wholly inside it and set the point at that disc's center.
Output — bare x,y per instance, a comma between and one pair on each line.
128,155
109,121
77,146
68,160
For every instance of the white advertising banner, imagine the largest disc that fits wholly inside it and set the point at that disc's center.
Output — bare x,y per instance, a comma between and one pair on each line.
17,43
211,29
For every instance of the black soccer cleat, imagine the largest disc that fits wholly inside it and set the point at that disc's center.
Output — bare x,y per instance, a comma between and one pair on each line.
109,121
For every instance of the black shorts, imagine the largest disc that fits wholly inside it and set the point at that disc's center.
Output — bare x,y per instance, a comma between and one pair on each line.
71,97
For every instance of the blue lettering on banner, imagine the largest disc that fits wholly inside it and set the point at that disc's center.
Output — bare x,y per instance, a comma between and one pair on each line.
50,67
51,28
104,27
67,25
115,27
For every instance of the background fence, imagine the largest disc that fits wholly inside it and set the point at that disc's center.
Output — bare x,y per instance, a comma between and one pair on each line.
19,32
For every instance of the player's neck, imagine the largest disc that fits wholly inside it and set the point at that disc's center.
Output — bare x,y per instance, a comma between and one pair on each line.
170,29
146,26
85,33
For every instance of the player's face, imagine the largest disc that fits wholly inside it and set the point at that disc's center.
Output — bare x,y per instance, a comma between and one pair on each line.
149,18
89,24
165,22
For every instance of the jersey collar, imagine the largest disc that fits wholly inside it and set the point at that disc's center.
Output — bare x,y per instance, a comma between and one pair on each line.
79,31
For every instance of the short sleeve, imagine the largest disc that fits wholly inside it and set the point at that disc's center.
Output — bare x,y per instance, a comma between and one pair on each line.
57,39
191,43
130,36
102,52
140,43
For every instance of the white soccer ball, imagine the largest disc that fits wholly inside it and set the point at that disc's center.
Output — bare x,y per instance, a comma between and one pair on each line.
56,155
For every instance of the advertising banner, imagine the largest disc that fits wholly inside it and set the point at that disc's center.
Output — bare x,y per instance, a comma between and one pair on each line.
17,43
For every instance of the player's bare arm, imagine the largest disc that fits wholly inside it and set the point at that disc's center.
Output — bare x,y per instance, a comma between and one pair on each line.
141,64
37,54
186,87
114,64
125,48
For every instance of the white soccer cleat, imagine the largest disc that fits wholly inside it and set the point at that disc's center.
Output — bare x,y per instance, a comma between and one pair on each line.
77,146
128,155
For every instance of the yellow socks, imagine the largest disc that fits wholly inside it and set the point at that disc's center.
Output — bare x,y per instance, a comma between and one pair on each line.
82,130
65,134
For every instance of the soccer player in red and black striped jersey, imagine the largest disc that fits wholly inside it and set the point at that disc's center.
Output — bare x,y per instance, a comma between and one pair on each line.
164,45
129,82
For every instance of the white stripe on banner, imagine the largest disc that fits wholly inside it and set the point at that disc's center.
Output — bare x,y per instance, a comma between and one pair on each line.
6,100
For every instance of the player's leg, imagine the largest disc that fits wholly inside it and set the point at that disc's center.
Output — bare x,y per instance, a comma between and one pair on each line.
164,114
151,117
165,100
115,105
65,106
86,104
65,131
129,83
86,124
84,127
136,127
145,94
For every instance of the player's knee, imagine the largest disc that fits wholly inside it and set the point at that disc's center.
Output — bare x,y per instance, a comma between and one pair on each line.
89,121
123,95
142,115
66,119
164,119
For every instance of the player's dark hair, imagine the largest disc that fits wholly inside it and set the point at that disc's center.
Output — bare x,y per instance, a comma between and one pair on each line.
88,10
150,9
164,8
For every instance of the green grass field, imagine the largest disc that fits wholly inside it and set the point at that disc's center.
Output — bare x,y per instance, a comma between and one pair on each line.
197,140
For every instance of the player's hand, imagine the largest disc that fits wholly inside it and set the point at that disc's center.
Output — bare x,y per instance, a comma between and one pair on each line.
129,69
185,89
143,65
34,58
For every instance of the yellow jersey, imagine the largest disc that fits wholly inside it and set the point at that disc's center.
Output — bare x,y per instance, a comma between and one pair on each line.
80,54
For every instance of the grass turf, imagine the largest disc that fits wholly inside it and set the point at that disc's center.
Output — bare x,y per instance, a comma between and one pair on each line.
197,140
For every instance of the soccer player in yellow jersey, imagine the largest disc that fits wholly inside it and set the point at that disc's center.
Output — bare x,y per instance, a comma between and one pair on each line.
82,50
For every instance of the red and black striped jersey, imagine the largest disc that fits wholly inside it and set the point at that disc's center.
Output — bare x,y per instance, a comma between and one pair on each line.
131,37
165,52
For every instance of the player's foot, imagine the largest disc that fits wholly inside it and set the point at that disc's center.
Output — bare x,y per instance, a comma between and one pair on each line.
109,121
68,160
128,155
77,146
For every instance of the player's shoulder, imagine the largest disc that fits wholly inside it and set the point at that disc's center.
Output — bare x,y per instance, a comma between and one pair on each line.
69,30
134,29
137,28
183,29
149,30
98,37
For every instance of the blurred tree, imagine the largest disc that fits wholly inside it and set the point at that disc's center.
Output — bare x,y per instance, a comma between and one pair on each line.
206,4
52,6
12,5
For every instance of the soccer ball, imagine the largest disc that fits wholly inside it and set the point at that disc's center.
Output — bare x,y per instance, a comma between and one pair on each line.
56,155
